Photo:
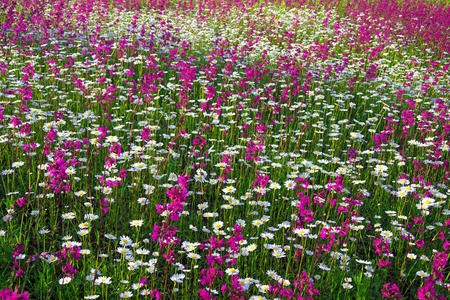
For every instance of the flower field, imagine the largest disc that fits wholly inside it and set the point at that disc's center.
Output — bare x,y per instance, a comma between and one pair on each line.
156,149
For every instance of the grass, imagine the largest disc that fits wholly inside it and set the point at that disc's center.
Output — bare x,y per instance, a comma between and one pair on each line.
254,151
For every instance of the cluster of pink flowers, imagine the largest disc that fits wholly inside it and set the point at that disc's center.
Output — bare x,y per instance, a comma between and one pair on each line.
8,294
217,262
428,290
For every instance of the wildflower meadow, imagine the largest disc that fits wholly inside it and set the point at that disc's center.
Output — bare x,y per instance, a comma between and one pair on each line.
224,149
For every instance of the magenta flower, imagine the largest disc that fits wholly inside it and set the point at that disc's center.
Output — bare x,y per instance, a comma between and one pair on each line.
390,291
7,294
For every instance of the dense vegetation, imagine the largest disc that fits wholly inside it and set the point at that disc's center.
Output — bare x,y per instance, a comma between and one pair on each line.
224,149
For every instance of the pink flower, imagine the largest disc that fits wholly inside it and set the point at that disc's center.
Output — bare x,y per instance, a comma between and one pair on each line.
383,263
419,243
204,294
390,291
7,294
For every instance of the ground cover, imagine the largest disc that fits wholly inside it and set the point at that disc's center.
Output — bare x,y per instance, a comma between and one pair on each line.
224,149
